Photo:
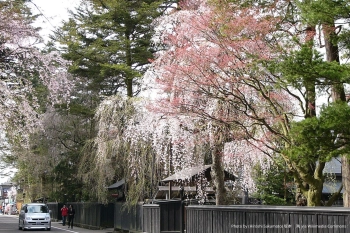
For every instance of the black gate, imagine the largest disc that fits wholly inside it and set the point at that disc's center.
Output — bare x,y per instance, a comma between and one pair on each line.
164,216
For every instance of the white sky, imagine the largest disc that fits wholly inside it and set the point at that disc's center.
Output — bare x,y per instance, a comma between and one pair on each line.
54,11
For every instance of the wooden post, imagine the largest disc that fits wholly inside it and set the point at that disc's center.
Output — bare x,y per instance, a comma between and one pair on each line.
170,184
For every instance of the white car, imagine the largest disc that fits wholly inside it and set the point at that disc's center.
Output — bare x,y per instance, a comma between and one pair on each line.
34,216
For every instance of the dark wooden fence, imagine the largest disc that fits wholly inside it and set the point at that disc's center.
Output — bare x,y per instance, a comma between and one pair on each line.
128,219
267,219
151,218
87,215
93,215
55,208
169,216
163,217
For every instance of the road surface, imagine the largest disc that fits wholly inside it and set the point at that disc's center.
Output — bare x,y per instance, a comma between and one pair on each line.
9,224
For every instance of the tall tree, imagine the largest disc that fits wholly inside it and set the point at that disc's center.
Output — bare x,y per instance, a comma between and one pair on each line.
31,79
261,66
203,76
331,17
108,43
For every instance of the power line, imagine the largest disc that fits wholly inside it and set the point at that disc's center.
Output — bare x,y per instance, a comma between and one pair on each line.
41,13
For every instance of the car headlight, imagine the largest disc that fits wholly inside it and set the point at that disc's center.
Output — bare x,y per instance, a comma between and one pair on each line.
47,217
28,218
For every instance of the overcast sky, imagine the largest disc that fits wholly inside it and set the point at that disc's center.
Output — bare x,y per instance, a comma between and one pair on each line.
54,12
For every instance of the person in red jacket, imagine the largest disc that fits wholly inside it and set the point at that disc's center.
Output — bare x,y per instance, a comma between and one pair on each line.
64,212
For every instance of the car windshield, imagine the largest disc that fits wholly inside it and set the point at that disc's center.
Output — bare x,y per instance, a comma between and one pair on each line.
37,209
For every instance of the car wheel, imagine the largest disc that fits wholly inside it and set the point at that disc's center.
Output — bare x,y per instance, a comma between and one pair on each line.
48,229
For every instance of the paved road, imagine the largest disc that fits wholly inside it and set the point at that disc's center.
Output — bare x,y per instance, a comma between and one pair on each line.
9,224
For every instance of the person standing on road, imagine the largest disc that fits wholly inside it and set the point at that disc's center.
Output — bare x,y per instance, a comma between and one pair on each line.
64,212
71,213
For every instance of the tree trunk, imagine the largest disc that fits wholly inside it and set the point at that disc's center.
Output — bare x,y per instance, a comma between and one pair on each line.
338,94
303,194
309,184
313,198
129,77
217,171
314,195
345,164
332,54
218,175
